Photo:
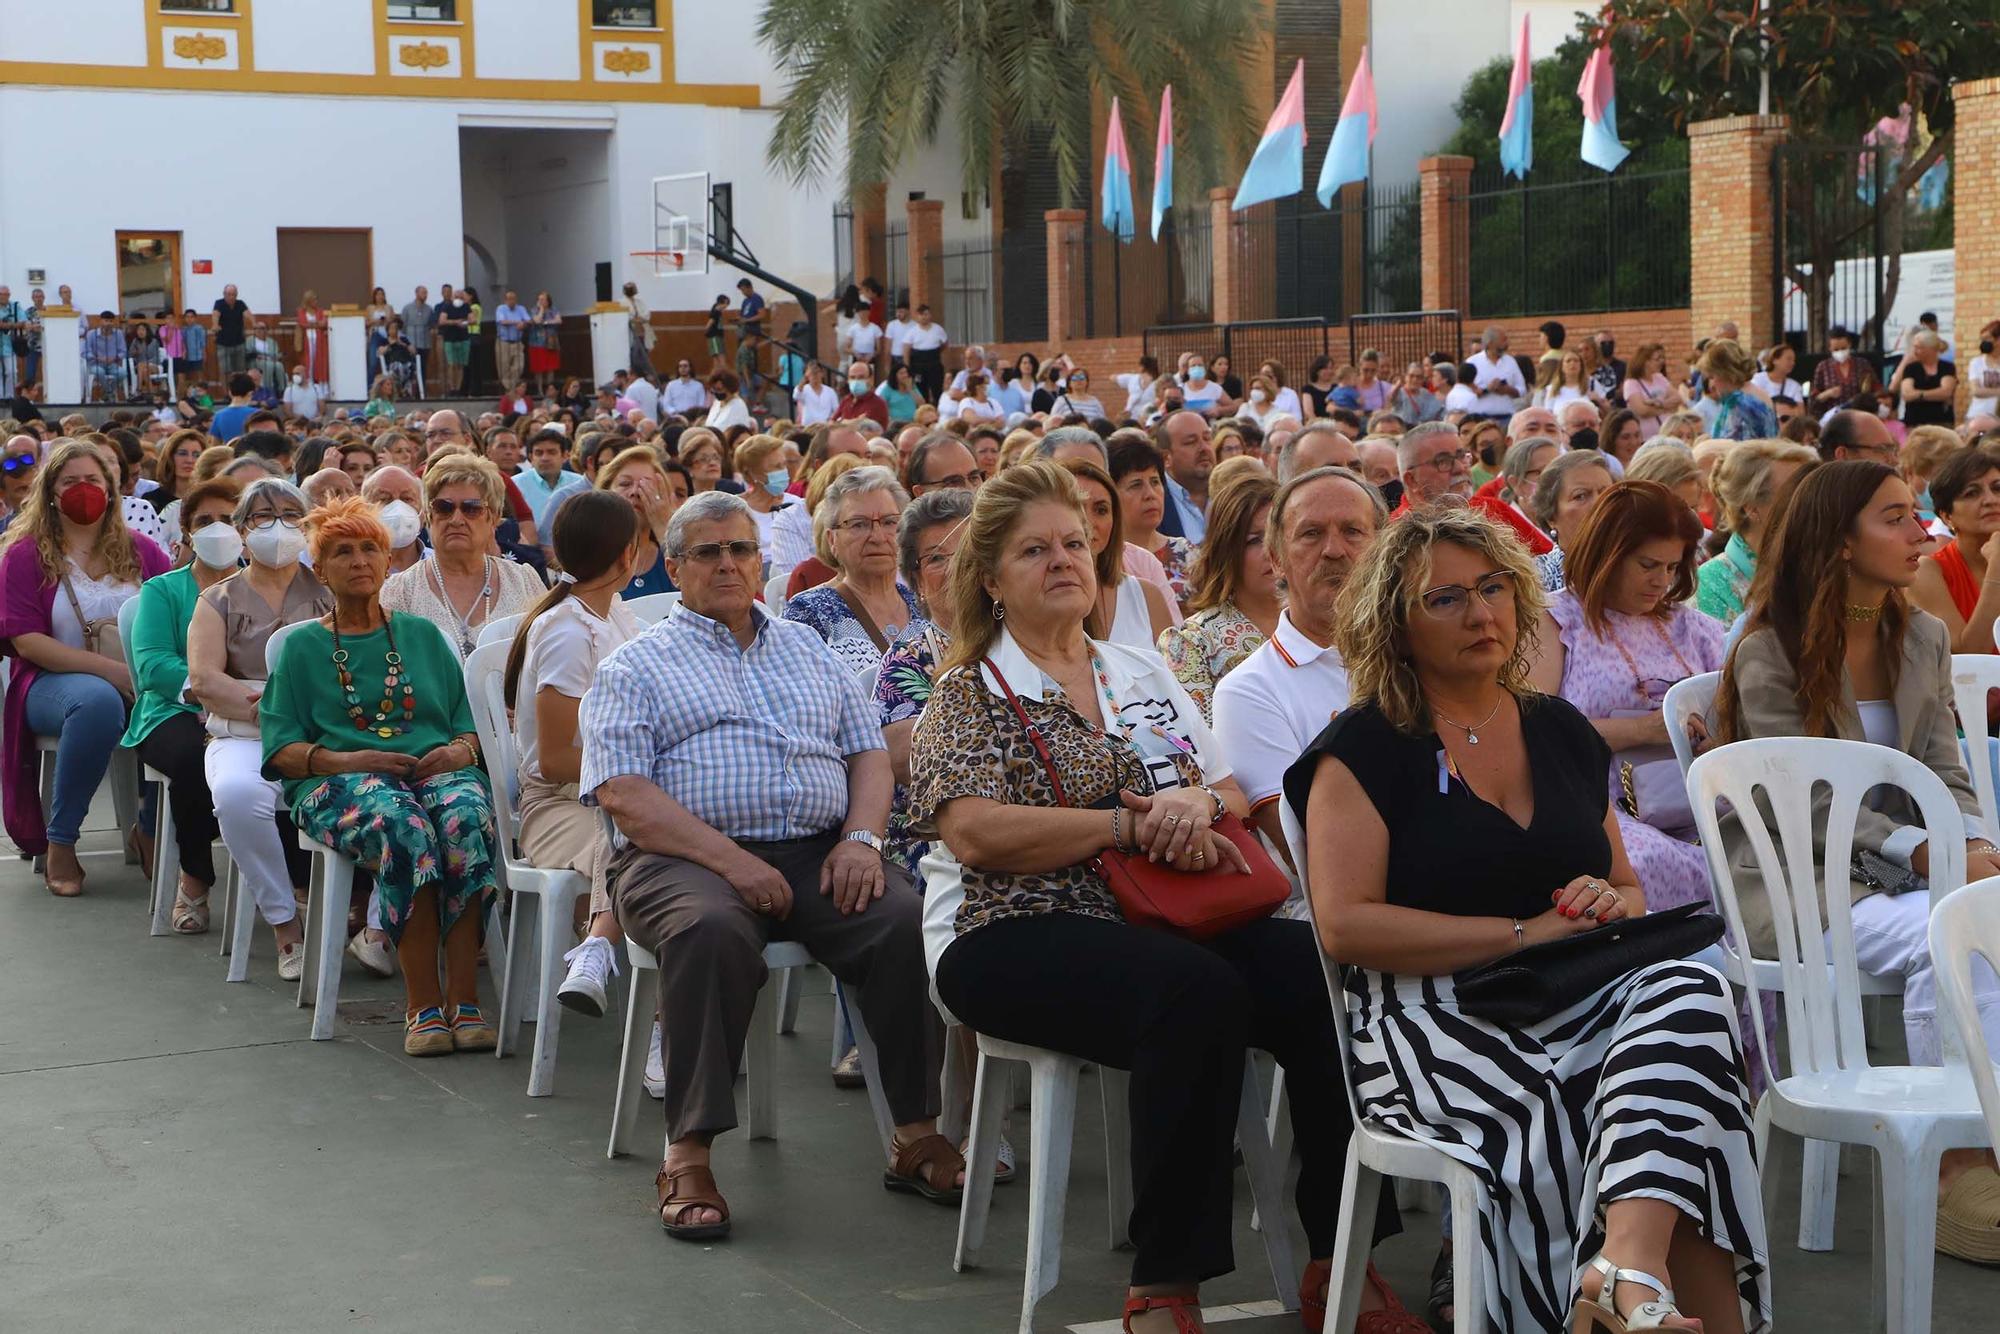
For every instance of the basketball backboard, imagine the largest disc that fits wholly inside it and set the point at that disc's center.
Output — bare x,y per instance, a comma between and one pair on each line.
680,224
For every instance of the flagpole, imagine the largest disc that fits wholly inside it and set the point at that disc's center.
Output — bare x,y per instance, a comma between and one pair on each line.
1764,65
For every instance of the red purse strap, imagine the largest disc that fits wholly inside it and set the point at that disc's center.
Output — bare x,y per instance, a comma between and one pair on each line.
1034,733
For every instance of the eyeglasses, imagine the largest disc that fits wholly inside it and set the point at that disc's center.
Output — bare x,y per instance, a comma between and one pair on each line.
201,521
16,462
264,523
708,553
1443,462
444,509
863,527
1449,600
958,481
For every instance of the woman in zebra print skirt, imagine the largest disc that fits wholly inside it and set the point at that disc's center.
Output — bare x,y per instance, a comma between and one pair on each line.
1613,1138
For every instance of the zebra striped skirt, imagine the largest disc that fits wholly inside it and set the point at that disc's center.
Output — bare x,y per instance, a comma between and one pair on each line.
1635,1091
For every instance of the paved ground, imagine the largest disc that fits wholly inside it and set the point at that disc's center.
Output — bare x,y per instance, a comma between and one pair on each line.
180,1157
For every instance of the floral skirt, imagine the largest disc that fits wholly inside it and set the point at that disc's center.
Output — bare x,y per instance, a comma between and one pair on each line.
438,830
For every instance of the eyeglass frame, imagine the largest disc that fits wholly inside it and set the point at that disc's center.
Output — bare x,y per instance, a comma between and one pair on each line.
710,553
1512,579
861,527
1462,455
473,508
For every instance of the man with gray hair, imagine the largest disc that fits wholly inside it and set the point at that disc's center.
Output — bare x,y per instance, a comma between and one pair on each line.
1436,468
326,486
1073,442
737,828
1579,414
1320,444
975,364
1496,376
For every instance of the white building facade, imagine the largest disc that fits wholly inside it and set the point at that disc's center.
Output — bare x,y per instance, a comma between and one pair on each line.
153,151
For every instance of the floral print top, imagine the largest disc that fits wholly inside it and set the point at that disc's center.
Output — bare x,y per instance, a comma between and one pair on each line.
902,688
1206,647
1176,557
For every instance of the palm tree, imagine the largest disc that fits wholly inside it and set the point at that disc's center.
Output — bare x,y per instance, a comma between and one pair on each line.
878,78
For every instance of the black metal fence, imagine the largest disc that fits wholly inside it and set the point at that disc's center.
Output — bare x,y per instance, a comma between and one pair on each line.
1293,344
1402,337
1129,286
895,270
965,278
1299,260
1596,242
843,248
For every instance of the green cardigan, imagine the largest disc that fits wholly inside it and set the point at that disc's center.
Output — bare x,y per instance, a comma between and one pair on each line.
159,651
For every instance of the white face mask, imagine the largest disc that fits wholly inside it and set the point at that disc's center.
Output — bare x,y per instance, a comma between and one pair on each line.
1258,396
402,522
218,546
298,379
1840,354
277,546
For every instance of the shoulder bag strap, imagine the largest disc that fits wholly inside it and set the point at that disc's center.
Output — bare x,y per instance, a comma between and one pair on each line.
1034,733
867,622
84,624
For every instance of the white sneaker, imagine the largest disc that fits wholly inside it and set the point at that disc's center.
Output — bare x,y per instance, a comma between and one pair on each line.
656,1069
591,966
291,961
372,954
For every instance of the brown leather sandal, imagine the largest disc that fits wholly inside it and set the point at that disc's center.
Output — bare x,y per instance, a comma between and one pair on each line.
908,1176
1177,1304
687,1188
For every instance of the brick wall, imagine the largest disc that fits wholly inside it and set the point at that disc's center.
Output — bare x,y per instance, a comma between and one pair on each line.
1975,178
1729,208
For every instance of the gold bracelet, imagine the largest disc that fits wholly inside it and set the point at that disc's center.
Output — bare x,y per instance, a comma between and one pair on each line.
311,751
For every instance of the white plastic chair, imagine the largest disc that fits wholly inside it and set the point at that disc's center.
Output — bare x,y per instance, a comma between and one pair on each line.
1909,1115
1375,1151
123,775
1972,675
653,608
331,887
554,891
499,630
774,593
1053,1081
1964,924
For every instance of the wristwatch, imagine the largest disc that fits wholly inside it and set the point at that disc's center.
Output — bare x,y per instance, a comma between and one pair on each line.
1220,808
868,836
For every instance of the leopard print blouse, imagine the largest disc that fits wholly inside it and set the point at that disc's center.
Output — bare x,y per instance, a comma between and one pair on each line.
969,743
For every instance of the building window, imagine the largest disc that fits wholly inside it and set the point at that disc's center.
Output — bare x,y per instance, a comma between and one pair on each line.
424,11
624,14
197,6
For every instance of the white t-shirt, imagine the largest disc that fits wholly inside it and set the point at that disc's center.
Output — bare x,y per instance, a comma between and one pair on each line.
1460,398
645,398
1555,396
565,644
863,337
99,598
1286,403
1791,389
815,404
972,409
1499,383
1200,396
725,413
302,400
898,334
1269,709
1982,376
1139,395
927,340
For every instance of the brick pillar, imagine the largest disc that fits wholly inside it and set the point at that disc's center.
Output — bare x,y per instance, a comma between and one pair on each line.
926,254
1226,275
869,223
1443,183
1065,272
1975,179
1729,220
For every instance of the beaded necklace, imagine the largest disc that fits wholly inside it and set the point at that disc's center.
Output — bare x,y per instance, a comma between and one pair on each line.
391,679
467,640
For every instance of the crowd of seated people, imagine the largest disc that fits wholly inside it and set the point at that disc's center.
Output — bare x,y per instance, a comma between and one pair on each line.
916,687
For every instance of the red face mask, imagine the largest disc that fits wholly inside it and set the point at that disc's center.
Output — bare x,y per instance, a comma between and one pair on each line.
84,503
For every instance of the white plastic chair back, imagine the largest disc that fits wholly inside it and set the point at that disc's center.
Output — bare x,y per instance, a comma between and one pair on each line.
277,642
1295,836
774,593
1781,774
1696,695
499,630
1963,925
485,681
653,608
1972,675
128,613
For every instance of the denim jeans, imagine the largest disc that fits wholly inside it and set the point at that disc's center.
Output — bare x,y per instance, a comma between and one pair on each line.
86,715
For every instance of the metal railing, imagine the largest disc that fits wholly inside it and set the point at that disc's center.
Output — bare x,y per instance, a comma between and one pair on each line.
965,280
1596,242
1401,337
1127,287
1292,343
1298,260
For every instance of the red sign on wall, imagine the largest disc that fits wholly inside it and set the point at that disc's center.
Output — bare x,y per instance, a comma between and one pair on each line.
204,266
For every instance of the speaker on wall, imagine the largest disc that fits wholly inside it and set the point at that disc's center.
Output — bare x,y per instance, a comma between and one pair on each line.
604,281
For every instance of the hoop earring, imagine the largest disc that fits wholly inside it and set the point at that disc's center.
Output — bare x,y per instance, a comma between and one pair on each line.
999,611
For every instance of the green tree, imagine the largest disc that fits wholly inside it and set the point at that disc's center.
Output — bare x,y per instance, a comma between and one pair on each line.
873,80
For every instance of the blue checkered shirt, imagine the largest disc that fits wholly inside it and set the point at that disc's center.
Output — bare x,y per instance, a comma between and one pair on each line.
754,742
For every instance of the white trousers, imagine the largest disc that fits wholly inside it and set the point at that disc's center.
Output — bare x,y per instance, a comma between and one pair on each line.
246,808
1892,940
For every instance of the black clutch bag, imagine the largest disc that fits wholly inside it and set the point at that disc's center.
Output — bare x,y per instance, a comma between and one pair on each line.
1529,985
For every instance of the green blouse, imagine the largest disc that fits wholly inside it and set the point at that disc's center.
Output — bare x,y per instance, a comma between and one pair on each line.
304,702
158,651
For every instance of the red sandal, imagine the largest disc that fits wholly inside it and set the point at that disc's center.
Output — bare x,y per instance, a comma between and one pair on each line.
1394,1318
1180,1304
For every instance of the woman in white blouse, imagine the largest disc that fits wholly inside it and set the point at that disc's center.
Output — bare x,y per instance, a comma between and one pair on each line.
978,405
1774,379
728,409
556,651
461,584
1129,610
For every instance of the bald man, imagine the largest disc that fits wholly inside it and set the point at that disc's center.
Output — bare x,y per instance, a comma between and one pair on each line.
326,486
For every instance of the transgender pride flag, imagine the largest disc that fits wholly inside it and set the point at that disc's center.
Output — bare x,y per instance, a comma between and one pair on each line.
1163,161
1600,112
1117,193
1517,128
1278,168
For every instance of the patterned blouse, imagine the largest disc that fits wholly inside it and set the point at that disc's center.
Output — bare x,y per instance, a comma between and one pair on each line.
1207,647
902,688
827,612
1176,557
970,744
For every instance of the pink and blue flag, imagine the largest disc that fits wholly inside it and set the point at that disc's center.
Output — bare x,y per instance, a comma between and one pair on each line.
1600,112
1278,168
1347,152
1517,128
1117,192
1163,162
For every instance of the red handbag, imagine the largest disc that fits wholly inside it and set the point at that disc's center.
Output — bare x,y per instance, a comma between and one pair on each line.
1196,904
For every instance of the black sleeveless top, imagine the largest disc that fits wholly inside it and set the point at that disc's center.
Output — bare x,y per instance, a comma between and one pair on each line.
1449,850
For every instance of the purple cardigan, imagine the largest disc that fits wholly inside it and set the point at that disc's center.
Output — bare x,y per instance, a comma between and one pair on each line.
27,605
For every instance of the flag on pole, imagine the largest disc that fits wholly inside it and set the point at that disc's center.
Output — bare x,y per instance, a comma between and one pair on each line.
1600,111
1517,128
1347,151
1163,161
1278,167
1117,193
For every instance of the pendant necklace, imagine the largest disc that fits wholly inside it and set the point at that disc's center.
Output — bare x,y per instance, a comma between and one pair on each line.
1471,733
393,677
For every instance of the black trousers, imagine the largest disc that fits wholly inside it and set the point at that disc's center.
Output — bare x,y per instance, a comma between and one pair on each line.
927,369
175,749
1180,1016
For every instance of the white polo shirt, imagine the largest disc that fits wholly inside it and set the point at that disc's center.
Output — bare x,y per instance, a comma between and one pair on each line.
1272,705
923,339
898,334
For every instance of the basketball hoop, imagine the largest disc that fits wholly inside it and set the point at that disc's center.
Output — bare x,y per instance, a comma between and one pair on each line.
664,262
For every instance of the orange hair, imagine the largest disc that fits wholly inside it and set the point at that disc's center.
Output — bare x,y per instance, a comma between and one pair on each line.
350,517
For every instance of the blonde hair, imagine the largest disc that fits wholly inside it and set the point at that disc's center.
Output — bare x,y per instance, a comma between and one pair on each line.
1218,564
750,455
1373,615
996,508
1743,477
1018,442
1668,462
696,437
40,521
637,456
827,472
464,468
1926,449
210,463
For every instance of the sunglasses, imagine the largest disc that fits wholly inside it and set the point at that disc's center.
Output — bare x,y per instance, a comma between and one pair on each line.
708,553
16,462
444,509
